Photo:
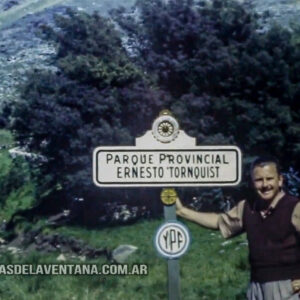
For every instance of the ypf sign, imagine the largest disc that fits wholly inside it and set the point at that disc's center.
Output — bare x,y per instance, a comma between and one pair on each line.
172,240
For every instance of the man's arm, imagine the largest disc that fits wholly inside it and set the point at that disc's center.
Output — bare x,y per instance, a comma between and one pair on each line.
209,220
229,223
296,223
296,217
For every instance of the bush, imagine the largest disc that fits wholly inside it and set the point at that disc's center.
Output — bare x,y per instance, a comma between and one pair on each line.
98,97
231,81
16,185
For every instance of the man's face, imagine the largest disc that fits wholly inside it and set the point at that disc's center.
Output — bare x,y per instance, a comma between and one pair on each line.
267,182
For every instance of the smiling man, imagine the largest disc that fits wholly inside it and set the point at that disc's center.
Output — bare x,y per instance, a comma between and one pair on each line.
272,223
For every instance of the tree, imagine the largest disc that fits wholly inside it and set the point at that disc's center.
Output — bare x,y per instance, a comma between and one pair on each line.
230,81
96,97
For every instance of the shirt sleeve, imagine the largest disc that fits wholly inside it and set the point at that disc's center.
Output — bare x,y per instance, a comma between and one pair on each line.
231,222
296,217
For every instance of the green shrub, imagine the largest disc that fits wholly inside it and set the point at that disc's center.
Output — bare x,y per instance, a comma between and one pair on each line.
17,188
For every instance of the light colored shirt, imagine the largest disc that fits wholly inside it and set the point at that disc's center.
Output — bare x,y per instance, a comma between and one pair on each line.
231,223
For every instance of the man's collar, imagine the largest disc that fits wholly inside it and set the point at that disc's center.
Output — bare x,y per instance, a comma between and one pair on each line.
276,199
267,212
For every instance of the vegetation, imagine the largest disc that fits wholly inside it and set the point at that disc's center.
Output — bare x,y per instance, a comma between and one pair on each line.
210,270
16,185
225,79
230,82
92,100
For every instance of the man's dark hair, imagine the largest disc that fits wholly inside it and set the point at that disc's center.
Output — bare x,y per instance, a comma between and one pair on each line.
264,160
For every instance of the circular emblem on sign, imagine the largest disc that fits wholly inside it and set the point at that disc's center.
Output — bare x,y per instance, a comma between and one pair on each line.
165,128
168,196
172,240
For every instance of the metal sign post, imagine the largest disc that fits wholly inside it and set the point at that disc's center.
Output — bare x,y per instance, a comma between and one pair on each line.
172,241
167,157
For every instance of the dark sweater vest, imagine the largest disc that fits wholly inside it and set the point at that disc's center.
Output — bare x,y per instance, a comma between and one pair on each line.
274,244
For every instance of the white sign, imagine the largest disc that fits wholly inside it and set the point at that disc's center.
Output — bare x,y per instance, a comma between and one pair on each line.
196,166
172,240
166,156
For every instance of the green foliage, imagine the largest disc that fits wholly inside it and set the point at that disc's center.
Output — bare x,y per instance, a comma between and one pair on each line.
6,138
98,97
89,69
20,199
232,81
292,181
17,189
90,51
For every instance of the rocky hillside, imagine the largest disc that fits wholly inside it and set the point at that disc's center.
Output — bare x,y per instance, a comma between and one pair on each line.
21,49
280,11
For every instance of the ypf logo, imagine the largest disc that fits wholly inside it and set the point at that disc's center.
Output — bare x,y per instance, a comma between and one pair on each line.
172,240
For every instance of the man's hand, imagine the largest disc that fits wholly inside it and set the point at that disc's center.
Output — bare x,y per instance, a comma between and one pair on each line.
209,220
179,206
296,286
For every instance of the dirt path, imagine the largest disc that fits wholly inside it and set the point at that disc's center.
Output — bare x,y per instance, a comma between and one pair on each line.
27,7
34,6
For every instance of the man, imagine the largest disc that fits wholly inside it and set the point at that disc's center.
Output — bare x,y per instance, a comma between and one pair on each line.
272,224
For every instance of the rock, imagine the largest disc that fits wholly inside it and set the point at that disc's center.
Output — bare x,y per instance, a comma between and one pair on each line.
35,240
226,243
82,258
61,257
13,250
122,252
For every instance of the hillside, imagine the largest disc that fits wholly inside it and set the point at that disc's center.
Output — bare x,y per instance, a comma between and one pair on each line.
21,49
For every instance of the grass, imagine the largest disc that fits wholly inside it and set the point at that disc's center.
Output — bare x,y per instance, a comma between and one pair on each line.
6,138
209,270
